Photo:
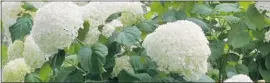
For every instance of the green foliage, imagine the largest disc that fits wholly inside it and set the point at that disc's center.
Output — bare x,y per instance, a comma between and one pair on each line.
227,7
57,60
84,57
173,15
22,27
238,36
29,7
147,26
32,77
217,50
4,55
83,31
202,9
45,72
126,76
127,36
113,16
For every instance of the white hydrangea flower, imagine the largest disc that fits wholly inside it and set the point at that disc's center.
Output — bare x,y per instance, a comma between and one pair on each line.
9,16
120,64
15,50
15,70
56,25
116,23
32,54
263,6
109,28
239,78
267,36
179,47
129,18
92,36
261,81
38,3
98,12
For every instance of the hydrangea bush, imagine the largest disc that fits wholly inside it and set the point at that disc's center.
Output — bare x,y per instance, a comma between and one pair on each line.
161,41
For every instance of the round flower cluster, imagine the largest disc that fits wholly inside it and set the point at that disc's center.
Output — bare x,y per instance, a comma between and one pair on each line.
15,50
263,6
32,54
56,25
97,13
179,47
92,36
109,28
267,36
120,64
239,78
15,70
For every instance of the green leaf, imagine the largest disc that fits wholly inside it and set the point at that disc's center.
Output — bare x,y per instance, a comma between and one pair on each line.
200,23
264,48
245,4
75,76
141,63
57,59
163,79
158,8
21,28
113,16
70,60
174,15
227,7
83,31
102,39
29,7
217,49
125,76
231,19
205,78
264,73
127,36
74,48
84,57
255,16
238,37
4,56
45,72
249,24
98,57
113,49
267,62
32,77
147,26
63,74
202,9
242,69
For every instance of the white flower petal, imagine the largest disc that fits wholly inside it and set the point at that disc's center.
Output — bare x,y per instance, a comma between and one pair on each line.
179,47
120,64
239,78
15,70
56,25
15,50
